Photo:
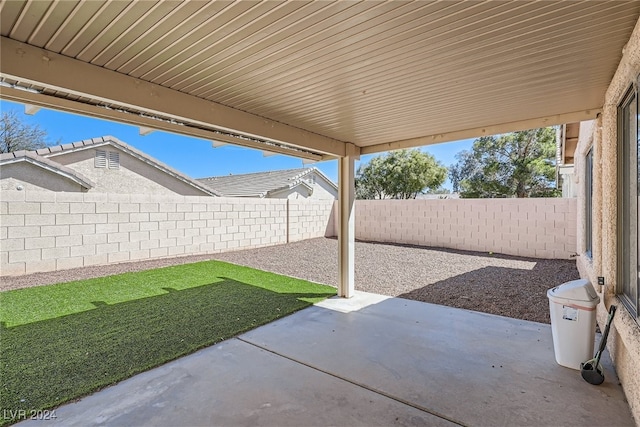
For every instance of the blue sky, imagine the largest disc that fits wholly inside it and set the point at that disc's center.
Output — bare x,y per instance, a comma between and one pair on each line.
192,156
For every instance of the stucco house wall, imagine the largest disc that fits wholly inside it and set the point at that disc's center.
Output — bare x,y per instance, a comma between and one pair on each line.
601,134
30,177
133,176
320,191
296,193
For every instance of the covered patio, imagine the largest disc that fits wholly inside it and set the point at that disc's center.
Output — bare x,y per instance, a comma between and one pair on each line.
322,81
317,80
368,360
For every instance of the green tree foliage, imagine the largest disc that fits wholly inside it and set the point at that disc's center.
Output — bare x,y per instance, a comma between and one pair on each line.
17,135
401,174
519,164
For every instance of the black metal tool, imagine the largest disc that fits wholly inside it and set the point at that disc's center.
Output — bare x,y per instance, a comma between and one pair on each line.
591,370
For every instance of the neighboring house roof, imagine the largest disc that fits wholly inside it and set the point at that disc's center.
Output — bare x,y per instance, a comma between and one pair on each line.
261,184
46,164
46,154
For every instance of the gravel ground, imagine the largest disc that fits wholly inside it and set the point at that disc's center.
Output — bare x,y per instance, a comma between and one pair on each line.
498,284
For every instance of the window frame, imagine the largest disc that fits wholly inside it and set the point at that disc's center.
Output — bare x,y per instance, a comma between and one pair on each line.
589,203
628,251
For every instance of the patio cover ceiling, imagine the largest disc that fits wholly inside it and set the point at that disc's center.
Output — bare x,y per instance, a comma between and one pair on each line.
306,77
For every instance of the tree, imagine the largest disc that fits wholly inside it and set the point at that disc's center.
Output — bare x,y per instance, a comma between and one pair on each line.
368,182
518,164
401,174
16,135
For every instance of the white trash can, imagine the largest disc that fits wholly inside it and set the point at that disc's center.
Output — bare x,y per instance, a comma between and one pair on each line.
572,307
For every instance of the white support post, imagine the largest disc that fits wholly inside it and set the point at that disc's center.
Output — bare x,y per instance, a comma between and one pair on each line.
346,230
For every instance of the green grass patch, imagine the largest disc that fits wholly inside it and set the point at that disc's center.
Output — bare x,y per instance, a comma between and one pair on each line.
63,341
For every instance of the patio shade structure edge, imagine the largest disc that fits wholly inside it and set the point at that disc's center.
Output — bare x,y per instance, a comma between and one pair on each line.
39,77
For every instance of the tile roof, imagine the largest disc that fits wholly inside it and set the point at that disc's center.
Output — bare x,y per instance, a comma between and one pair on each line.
50,152
44,163
260,184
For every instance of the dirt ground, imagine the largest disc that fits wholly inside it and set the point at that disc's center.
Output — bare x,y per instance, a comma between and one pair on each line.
491,283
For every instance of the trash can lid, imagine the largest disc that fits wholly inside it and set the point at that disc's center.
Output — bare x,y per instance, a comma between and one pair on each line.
575,290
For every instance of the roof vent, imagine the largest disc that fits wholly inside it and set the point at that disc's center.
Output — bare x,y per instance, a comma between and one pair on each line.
107,158
101,159
114,160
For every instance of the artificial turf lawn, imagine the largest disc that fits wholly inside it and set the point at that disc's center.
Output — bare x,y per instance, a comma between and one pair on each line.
63,341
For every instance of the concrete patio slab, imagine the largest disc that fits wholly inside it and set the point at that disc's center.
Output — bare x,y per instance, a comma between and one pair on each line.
236,383
346,305
473,368
379,362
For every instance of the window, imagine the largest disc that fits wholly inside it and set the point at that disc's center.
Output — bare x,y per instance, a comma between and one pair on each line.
107,158
588,232
629,178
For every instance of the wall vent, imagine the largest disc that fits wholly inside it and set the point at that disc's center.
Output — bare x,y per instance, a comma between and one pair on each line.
109,159
114,160
101,159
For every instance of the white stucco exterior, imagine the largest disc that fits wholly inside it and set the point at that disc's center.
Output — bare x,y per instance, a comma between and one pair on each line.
319,189
99,165
26,176
133,176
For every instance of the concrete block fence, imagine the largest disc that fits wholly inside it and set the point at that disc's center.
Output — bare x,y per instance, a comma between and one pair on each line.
48,231
540,228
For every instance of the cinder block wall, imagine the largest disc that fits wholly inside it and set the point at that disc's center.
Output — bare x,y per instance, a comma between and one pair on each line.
541,228
48,231
308,218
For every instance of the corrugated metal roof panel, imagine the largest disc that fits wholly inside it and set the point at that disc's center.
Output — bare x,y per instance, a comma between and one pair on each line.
367,72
